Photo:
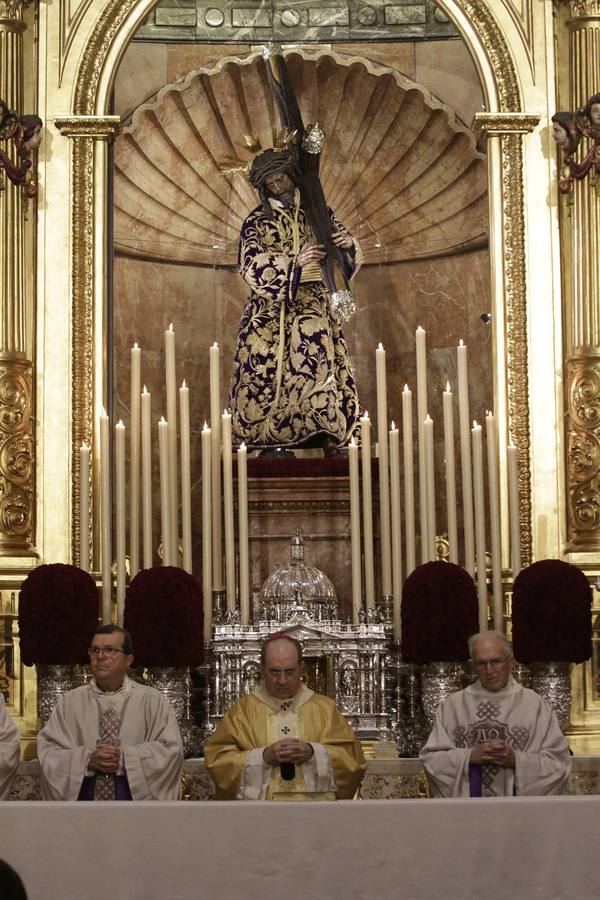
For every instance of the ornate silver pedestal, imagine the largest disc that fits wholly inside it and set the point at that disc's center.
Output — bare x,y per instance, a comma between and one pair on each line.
175,685
53,681
438,679
552,681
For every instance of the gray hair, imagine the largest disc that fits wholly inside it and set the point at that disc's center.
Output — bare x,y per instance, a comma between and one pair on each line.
497,635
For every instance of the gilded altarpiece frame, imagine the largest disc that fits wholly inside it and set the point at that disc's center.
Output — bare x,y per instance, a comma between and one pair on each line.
106,27
87,126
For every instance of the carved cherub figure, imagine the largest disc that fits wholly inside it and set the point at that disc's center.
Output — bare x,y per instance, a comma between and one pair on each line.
567,131
26,134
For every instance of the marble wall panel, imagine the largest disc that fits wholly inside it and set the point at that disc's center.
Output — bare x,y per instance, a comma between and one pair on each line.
445,67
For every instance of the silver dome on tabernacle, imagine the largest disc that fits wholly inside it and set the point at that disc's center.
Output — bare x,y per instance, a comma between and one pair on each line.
297,592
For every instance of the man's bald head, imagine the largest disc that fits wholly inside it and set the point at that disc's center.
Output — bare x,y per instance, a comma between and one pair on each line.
281,667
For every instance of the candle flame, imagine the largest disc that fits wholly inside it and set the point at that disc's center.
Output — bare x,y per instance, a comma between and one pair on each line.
171,327
206,428
162,421
352,442
366,415
380,346
393,428
419,328
447,387
135,345
460,343
428,418
243,446
144,391
215,344
119,424
475,425
183,384
406,389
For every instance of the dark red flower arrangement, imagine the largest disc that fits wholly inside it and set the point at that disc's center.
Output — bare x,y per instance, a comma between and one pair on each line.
551,613
439,613
58,614
163,612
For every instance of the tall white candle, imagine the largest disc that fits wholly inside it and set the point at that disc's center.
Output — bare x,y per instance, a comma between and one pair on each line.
409,479
479,525
514,507
215,455
365,432
355,530
120,518
430,483
134,463
206,532
384,484
165,506
228,511
84,507
171,385
465,458
242,471
186,481
450,475
396,527
146,479
105,519
421,348
495,525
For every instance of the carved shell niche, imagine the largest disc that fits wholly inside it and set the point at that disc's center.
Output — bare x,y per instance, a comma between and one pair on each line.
398,168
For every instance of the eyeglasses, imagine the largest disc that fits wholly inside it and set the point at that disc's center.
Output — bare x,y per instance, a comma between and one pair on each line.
482,664
111,652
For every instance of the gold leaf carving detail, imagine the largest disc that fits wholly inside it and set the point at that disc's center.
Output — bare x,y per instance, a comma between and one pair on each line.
107,27
516,323
585,8
89,126
13,9
583,451
83,298
16,454
504,123
485,25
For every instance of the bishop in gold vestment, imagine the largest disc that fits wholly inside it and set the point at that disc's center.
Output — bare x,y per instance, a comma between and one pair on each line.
284,722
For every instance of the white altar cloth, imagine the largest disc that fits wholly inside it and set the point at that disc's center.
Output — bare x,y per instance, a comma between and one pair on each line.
484,849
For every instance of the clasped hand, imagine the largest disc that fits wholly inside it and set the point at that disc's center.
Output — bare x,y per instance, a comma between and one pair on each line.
291,750
105,758
316,252
495,753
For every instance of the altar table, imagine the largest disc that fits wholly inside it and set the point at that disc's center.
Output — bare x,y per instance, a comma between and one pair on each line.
484,849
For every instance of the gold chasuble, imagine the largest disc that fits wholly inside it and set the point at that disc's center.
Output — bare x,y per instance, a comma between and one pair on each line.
234,753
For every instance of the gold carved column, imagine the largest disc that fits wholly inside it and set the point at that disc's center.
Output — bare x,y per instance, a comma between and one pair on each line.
85,132
583,303
504,133
16,434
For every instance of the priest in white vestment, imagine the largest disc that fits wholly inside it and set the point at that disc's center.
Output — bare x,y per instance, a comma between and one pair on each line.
283,741
495,738
112,739
9,750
